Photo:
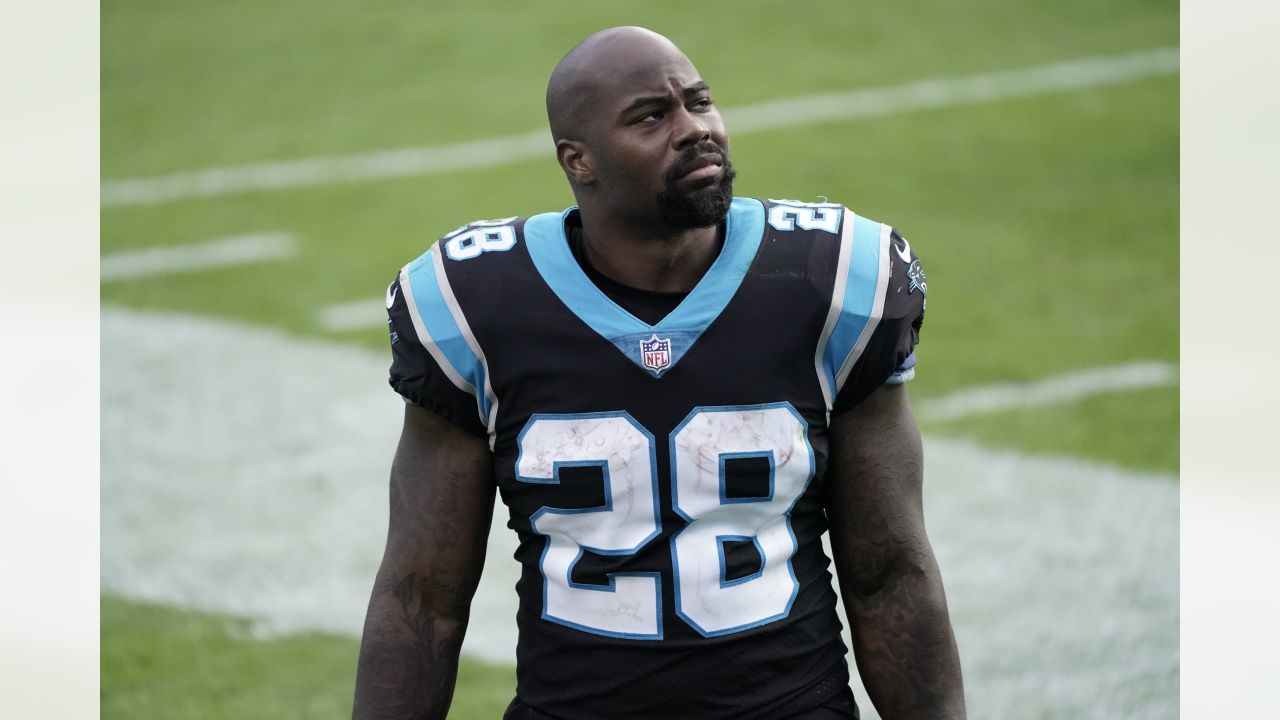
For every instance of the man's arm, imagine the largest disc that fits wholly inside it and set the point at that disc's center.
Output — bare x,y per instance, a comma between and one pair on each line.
902,638
441,504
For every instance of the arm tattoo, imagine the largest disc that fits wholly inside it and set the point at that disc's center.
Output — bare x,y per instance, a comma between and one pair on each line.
408,659
893,595
440,512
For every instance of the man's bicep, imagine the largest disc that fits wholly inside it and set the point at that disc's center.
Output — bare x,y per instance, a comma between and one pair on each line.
873,489
442,494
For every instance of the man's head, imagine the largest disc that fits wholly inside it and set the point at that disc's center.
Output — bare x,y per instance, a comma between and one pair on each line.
636,131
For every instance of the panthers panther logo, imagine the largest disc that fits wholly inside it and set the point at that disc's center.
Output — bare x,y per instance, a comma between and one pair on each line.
916,274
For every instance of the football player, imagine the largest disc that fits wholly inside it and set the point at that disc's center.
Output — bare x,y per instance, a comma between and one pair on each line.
676,392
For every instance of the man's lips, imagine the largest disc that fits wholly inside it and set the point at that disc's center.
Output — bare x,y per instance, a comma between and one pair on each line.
706,167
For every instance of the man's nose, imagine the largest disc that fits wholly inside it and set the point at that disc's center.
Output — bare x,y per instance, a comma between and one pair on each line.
692,128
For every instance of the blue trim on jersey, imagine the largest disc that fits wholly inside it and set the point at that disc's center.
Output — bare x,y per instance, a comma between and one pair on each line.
724,567
859,298
443,329
549,248
606,507
795,541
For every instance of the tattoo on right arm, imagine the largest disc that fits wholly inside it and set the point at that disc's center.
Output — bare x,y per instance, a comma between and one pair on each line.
441,503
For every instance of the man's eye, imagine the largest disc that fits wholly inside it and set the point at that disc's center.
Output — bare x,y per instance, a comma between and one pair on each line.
702,104
652,117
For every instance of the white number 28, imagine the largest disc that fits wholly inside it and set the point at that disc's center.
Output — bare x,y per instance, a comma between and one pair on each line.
629,605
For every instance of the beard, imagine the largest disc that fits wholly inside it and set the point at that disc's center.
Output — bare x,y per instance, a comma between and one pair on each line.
702,206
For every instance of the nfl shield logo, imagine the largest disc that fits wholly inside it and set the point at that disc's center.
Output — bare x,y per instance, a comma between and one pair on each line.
656,354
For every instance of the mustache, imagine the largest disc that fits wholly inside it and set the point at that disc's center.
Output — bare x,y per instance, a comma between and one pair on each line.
695,156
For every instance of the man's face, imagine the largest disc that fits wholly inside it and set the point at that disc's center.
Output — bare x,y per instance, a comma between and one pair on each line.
658,144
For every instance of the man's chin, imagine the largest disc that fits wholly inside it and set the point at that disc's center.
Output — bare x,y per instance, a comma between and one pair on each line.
704,208
697,204
709,190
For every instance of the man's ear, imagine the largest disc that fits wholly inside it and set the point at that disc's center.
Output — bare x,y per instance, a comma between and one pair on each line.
575,159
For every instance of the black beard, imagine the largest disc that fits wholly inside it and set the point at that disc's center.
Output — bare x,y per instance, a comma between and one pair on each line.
703,207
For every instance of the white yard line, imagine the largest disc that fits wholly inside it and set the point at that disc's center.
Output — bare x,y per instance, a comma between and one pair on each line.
224,252
245,471
1054,390
944,92
354,315
790,112
286,174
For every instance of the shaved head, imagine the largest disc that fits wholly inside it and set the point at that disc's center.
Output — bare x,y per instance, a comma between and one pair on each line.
579,75
637,134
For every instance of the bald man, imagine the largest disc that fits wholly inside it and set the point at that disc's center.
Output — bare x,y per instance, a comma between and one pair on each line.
676,393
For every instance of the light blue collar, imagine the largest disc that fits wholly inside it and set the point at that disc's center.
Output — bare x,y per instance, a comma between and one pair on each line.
666,342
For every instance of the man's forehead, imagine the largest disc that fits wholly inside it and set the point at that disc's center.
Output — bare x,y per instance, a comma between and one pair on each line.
625,87
611,70
615,81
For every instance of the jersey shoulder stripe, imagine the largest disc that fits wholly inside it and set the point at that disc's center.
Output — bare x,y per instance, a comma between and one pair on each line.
857,300
443,330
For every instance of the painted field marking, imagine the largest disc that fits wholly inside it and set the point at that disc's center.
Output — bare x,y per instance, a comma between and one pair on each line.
354,315
945,92
771,115
1054,390
271,503
224,252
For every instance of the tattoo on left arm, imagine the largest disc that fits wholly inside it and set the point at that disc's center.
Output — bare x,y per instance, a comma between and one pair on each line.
892,589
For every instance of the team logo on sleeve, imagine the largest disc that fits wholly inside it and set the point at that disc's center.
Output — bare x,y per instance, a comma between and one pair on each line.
656,353
915,274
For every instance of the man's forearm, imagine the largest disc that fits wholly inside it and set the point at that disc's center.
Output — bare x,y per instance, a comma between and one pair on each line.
409,655
441,505
902,637
905,648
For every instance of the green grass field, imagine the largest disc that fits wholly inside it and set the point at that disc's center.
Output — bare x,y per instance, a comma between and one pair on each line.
1047,224
163,663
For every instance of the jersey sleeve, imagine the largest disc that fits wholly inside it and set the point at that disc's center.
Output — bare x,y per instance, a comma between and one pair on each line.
888,355
421,369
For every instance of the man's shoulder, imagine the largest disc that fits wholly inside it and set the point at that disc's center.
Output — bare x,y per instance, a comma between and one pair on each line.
467,247
473,239
821,214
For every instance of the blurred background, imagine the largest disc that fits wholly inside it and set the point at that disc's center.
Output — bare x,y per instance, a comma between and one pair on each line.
269,166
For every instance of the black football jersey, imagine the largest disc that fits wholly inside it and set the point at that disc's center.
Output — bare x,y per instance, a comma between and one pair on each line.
664,480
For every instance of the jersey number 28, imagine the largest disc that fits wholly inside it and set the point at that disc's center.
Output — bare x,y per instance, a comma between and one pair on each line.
630,605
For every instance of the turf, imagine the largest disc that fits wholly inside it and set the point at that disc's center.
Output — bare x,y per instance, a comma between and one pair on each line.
1056,252
1113,427
1047,225
189,84
169,664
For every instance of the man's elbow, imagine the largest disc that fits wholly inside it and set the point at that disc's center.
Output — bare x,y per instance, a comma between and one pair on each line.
416,594
913,571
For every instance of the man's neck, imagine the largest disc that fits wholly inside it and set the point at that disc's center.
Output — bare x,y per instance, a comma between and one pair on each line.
661,261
